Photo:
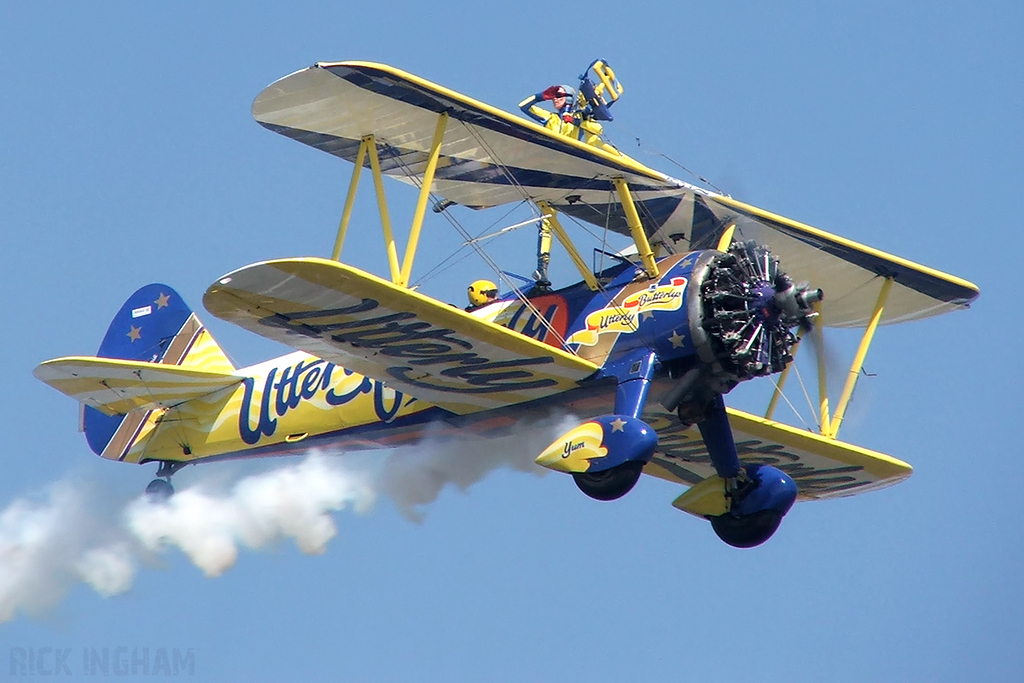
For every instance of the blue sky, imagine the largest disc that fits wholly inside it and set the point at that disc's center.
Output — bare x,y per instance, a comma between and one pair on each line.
128,156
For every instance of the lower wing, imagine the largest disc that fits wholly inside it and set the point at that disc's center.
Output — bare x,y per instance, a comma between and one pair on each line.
821,467
424,348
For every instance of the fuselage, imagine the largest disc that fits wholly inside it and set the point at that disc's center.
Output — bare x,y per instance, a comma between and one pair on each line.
298,401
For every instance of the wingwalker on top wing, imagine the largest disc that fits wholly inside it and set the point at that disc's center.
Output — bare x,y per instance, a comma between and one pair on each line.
643,351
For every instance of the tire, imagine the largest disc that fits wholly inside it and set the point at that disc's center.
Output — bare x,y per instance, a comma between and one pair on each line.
159,490
610,484
749,531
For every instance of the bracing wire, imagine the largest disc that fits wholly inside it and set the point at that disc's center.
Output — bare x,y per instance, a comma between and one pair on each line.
656,152
807,395
482,253
465,253
790,404
514,182
473,242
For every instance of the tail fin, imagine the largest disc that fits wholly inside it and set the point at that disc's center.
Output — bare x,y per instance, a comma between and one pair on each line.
154,325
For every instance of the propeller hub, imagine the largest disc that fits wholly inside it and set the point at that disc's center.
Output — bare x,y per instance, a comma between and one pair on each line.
763,302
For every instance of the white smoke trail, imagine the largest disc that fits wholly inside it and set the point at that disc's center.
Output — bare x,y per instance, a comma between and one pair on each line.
47,546
290,502
414,476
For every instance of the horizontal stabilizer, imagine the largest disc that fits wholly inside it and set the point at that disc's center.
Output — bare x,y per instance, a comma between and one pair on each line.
116,387
821,467
433,351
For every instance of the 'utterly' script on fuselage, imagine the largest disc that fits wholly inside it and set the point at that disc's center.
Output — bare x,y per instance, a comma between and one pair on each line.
311,385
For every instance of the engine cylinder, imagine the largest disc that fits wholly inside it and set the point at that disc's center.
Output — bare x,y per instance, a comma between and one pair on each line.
742,318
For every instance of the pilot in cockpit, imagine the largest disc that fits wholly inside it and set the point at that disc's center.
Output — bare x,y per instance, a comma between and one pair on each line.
481,293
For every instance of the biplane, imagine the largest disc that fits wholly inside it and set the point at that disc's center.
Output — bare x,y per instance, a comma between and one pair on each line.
715,292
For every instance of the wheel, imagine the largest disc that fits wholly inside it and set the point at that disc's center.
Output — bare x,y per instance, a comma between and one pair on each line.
610,484
749,531
159,490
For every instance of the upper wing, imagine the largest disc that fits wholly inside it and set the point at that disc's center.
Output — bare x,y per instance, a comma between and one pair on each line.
489,157
850,274
116,387
426,349
821,467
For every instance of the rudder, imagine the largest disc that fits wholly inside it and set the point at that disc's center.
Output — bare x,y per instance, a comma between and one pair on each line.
154,325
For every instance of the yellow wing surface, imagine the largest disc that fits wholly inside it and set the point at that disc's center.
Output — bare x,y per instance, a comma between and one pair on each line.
821,467
490,157
429,350
117,387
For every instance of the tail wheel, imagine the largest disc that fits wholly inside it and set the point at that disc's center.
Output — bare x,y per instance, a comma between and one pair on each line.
159,490
612,483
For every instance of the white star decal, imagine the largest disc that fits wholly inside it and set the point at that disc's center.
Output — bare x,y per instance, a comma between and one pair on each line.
676,339
618,424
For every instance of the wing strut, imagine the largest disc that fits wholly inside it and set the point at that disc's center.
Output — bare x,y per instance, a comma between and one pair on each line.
783,376
346,213
636,228
819,352
858,359
421,204
551,218
400,274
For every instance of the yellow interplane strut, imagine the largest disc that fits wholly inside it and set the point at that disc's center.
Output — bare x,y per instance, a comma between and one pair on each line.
421,204
830,426
636,228
858,359
726,239
346,213
782,377
551,218
400,274
819,353
382,204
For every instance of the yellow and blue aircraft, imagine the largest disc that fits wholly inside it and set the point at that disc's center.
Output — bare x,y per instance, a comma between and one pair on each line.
643,352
